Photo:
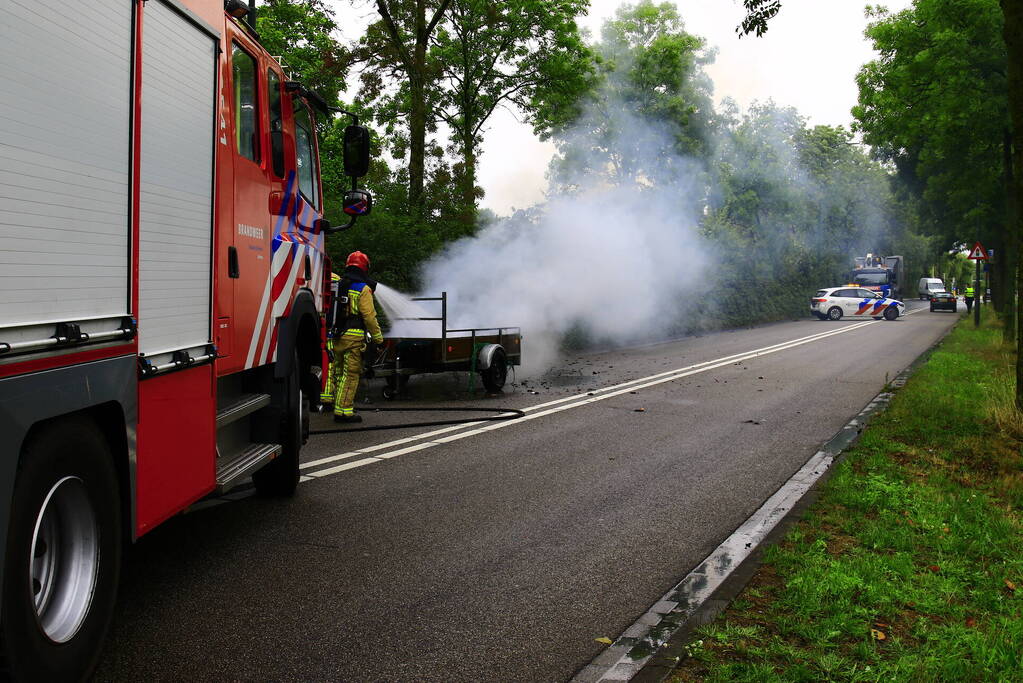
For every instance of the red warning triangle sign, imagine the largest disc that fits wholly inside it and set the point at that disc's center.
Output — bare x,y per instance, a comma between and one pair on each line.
978,253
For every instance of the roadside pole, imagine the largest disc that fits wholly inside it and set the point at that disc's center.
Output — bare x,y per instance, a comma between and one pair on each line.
976,297
977,254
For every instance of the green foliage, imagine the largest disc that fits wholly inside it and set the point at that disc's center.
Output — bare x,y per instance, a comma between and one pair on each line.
522,53
793,206
935,105
758,15
784,207
301,33
916,537
652,87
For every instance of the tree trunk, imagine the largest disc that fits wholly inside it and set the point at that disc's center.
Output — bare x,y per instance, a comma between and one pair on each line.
468,189
417,146
417,115
1013,33
1005,263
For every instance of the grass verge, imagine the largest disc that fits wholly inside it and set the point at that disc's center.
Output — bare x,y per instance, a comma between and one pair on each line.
910,565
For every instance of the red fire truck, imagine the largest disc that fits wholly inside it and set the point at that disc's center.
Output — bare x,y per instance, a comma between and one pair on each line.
162,277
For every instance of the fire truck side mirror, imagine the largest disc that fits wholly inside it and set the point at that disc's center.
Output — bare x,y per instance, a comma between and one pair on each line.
357,203
356,152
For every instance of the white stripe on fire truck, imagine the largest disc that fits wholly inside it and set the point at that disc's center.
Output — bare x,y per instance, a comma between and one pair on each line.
283,299
275,265
257,328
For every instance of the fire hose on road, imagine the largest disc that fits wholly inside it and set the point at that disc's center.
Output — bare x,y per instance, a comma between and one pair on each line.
504,414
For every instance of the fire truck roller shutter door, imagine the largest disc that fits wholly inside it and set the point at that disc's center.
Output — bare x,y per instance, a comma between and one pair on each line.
65,170
176,200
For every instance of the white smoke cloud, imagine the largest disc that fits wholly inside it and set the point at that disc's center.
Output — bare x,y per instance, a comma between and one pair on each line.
617,263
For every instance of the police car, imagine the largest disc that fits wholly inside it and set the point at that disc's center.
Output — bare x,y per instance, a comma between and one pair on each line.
855,302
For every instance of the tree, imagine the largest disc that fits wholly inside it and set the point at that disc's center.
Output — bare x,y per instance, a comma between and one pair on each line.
398,45
935,105
792,205
759,12
652,89
301,33
527,54
1012,31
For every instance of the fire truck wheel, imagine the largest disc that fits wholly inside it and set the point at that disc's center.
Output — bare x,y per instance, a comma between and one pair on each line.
494,376
280,477
63,556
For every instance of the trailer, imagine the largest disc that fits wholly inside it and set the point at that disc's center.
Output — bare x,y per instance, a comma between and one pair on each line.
163,274
487,351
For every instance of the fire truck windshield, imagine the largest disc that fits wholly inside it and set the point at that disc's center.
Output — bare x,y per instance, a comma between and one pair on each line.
876,277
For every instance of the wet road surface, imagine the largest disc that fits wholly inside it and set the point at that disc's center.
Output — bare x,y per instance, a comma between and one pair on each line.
503,554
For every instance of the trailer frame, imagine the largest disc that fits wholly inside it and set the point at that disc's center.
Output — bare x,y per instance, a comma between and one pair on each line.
475,353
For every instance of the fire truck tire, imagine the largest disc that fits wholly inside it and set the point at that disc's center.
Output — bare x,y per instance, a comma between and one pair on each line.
63,555
280,477
494,376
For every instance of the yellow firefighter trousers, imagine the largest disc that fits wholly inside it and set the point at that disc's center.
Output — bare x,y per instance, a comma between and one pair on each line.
327,396
344,373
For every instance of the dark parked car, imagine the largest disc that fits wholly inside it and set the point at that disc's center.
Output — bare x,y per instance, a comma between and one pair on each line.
945,301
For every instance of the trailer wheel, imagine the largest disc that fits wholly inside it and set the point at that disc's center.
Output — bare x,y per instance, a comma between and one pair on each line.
63,555
280,476
494,376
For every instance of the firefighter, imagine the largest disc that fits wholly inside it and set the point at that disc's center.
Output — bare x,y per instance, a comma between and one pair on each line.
969,297
327,396
355,319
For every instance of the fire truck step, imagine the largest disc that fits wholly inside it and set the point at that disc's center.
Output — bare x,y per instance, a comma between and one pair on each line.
242,406
234,469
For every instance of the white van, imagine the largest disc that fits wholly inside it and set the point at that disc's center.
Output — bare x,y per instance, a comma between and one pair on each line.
928,285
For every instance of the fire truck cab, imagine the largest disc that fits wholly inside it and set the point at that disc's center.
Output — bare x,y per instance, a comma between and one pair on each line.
162,270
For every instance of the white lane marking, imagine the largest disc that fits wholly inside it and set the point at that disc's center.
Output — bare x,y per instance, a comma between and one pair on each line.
212,502
484,427
428,436
605,393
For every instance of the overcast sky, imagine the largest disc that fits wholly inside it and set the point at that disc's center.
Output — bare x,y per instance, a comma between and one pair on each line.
808,59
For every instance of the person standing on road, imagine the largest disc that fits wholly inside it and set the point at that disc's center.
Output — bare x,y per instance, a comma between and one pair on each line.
969,298
330,381
355,319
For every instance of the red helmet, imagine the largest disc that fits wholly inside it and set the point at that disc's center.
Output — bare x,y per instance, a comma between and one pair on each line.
359,260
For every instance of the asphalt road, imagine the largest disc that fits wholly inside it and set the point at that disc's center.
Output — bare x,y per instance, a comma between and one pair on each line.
503,554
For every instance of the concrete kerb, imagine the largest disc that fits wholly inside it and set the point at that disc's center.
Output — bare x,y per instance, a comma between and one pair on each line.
650,649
